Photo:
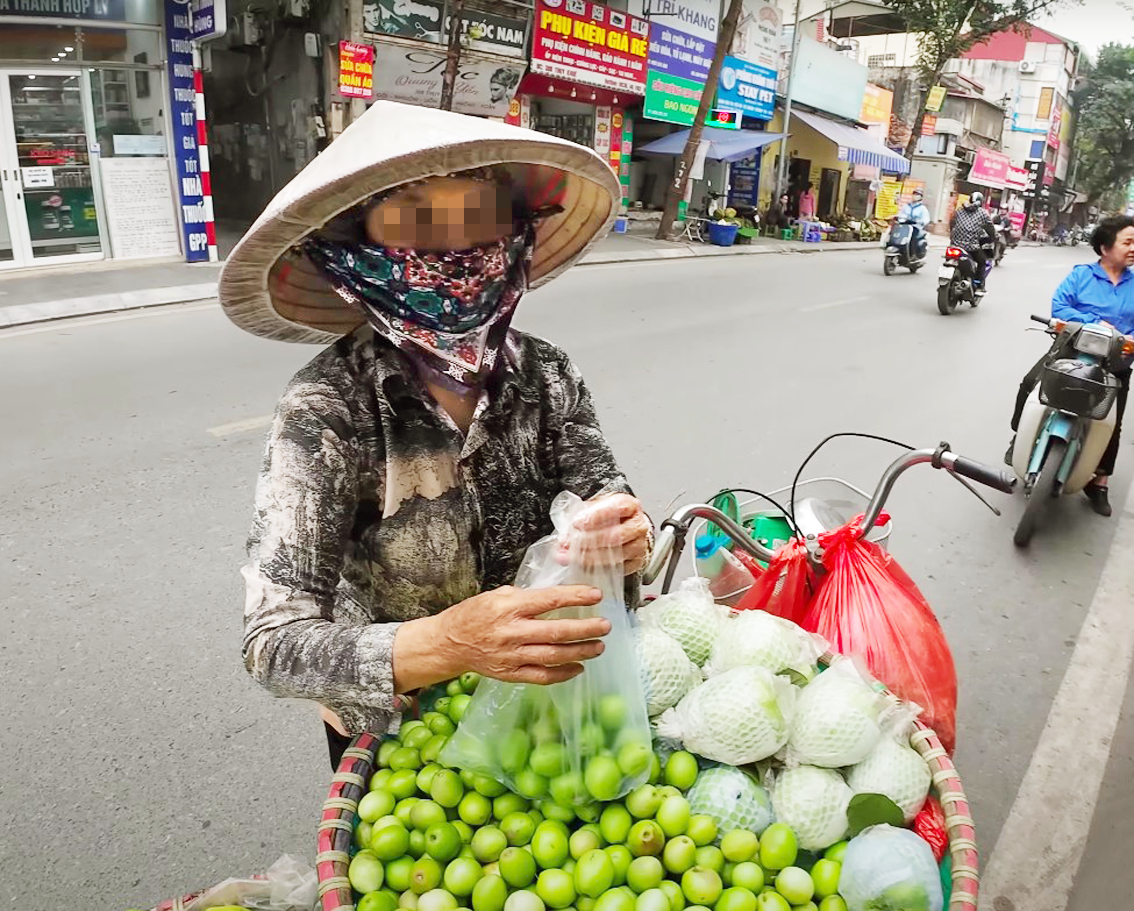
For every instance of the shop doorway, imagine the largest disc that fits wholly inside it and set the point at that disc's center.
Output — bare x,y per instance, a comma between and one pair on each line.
799,175
48,207
829,192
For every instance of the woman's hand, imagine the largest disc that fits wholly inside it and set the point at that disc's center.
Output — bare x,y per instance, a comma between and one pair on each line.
611,526
497,634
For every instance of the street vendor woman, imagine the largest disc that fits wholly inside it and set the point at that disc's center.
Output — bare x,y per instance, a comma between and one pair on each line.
412,462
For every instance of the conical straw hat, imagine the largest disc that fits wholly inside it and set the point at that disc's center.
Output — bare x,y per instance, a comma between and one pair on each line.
269,289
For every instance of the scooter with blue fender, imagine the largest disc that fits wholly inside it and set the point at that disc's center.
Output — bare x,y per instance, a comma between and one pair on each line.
1069,417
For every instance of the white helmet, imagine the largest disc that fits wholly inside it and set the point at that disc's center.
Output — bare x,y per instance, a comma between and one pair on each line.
976,199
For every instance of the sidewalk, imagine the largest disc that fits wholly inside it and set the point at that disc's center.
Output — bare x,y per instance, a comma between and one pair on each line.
88,289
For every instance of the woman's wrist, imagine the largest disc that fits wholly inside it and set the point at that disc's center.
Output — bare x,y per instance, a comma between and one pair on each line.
421,657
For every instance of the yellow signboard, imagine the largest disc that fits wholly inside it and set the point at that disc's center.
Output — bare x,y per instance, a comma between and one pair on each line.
877,103
936,98
893,195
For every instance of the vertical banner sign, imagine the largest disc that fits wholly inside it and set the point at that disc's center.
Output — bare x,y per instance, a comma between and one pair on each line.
356,70
935,99
210,19
520,111
603,118
615,157
183,117
627,151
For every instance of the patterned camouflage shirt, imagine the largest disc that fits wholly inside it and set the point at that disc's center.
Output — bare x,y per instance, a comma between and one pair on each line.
970,227
373,508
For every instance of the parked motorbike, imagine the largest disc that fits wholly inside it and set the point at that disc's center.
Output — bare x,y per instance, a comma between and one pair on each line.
1075,236
1068,420
955,278
902,248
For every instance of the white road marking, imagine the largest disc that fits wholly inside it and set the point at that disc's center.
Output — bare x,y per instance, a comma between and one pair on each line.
1040,848
247,424
61,325
829,304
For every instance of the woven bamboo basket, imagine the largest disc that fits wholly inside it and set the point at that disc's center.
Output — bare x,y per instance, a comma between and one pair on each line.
349,784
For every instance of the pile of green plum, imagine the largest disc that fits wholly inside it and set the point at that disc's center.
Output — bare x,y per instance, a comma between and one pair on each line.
431,838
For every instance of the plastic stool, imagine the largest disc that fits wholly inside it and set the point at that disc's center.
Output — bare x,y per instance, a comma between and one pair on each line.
787,234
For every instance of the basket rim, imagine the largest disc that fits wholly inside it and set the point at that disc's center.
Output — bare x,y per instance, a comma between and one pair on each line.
349,783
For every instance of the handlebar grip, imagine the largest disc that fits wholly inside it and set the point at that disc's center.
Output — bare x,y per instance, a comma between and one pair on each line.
983,474
663,547
1040,319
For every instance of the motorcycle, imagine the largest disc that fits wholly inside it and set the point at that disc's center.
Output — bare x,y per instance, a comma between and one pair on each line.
955,278
1003,241
1069,418
902,248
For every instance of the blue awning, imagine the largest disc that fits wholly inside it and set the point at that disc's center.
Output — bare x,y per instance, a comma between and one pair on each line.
724,145
855,144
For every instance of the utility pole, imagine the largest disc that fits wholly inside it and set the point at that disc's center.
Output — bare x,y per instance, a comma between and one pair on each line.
781,171
676,190
452,55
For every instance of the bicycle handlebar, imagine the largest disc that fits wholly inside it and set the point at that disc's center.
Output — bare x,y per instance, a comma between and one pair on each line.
674,529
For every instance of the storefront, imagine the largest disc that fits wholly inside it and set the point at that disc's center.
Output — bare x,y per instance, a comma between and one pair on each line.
86,161
587,78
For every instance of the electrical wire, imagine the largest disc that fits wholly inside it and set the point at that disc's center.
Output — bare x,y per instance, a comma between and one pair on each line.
824,442
763,496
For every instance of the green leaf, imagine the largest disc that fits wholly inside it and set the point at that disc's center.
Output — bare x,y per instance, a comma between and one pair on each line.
866,810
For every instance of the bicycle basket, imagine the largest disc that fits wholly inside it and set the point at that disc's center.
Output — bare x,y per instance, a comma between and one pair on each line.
1084,390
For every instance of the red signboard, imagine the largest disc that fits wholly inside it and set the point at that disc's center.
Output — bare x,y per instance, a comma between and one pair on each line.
356,70
929,125
1016,178
590,44
990,169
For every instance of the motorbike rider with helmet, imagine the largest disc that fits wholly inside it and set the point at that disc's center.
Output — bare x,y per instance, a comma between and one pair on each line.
916,213
970,229
1101,292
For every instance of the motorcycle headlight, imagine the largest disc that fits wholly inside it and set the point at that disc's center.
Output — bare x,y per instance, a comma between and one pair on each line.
1094,342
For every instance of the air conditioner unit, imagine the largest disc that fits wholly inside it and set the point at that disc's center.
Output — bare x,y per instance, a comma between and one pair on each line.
1026,66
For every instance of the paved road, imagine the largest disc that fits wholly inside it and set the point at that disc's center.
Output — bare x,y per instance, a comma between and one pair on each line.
141,761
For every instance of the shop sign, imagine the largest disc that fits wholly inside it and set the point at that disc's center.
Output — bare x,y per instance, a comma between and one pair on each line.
877,104
990,168
87,10
758,37
935,99
672,99
420,19
209,19
748,88
590,44
413,75
601,143
486,32
356,70
615,155
1037,179
674,53
1016,178
699,18
744,183
929,125
183,117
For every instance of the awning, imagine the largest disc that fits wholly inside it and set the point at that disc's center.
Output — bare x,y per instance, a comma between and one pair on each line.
855,144
724,145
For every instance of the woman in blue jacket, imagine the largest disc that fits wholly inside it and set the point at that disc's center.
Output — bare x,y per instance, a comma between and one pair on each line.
1101,292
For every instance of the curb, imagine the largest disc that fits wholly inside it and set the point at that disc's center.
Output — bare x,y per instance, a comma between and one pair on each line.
97,305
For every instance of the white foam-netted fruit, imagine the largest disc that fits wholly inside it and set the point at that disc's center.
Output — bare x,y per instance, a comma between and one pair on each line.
758,639
813,802
689,615
890,869
836,722
666,671
733,798
895,770
737,717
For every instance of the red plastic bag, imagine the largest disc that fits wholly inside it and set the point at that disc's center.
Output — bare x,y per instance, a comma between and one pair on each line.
930,825
868,606
784,588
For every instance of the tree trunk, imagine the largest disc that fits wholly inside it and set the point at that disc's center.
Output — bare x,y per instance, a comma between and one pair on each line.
676,190
919,120
452,55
